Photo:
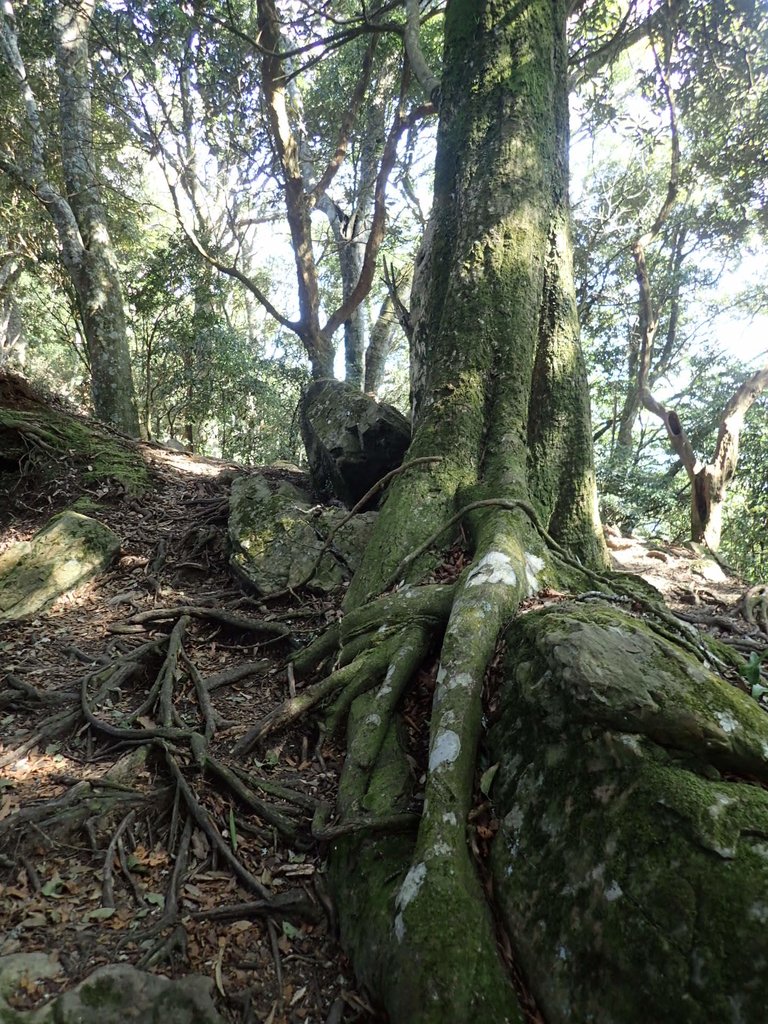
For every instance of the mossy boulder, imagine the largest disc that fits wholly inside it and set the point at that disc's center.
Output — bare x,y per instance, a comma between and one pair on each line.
631,865
276,534
69,550
114,994
351,440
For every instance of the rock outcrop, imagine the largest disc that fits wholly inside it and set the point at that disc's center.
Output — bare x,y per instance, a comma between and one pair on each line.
351,440
277,533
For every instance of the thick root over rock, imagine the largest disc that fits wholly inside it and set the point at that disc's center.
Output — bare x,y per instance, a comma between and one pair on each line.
413,912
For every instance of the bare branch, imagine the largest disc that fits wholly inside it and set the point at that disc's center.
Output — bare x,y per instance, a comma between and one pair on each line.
648,319
424,76
34,179
296,204
228,269
400,123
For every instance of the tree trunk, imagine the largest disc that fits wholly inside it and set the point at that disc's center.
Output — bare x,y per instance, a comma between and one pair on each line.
79,217
615,741
501,399
12,340
95,272
707,500
379,346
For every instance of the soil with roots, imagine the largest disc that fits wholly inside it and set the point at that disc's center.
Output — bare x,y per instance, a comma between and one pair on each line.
136,824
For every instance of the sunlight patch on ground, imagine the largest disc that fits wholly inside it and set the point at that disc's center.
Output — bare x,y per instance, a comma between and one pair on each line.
186,462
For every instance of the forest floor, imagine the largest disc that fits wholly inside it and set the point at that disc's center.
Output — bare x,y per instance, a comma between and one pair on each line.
94,891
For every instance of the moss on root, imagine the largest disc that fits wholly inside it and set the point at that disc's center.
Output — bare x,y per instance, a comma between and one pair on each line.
47,436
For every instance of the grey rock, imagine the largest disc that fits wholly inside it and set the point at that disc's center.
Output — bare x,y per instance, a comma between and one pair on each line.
68,551
113,994
351,439
276,533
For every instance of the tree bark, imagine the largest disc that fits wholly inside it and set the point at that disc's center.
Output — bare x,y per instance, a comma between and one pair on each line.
709,482
13,341
501,398
79,216
96,276
604,718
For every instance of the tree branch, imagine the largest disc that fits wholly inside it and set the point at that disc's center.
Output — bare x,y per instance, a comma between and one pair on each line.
35,179
378,224
647,316
424,76
732,420
348,121
228,269
624,37
296,203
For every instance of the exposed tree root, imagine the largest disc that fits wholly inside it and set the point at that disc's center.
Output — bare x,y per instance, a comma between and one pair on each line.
754,607
226,618
370,640
108,810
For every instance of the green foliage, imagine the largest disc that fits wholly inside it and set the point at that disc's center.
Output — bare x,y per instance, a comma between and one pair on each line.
751,672
205,380
745,543
714,54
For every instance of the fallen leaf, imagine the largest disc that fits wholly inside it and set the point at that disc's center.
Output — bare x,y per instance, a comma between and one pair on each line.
217,971
298,994
100,913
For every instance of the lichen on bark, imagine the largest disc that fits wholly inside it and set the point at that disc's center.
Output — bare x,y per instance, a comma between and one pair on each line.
494,338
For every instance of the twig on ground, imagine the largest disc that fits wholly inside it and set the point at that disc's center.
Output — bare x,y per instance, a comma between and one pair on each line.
267,813
293,903
203,820
243,622
107,887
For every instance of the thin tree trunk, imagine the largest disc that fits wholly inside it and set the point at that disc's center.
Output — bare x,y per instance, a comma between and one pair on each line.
79,216
96,276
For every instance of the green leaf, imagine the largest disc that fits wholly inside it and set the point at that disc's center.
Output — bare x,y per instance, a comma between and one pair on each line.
751,671
155,898
52,886
100,914
486,779
289,931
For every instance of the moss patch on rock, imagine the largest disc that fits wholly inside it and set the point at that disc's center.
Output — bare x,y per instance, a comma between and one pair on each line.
632,861
277,533
111,995
68,551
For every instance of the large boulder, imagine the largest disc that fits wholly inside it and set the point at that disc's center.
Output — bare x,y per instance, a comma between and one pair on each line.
351,439
67,552
115,994
631,862
277,532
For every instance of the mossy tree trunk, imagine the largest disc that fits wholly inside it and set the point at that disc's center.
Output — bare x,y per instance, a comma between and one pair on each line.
500,396
77,209
93,266
614,737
